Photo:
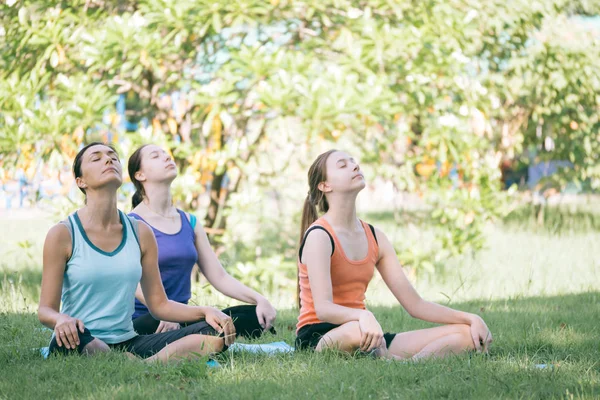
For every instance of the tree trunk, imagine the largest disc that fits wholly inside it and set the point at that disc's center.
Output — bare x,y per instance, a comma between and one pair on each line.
218,196
539,213
215,222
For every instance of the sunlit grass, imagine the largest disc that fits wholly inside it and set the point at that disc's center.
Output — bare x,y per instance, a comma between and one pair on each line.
538,291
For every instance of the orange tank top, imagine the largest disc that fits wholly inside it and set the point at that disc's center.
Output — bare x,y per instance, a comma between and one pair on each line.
349,278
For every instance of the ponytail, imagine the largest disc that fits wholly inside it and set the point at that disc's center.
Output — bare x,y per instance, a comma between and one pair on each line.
134,164
309,215
137,198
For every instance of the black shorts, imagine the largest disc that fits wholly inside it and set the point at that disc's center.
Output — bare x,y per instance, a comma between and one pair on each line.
309,335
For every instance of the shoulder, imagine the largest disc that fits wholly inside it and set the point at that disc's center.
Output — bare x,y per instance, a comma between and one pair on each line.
384,244
380,234
146,235
135,216
59,240
59,233
317,233
318,241
145,230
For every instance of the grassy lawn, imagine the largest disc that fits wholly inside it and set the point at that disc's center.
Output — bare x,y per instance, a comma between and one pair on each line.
562,331
539,294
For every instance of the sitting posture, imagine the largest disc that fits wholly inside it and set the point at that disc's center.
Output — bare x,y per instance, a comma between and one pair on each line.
93,262
181,244
337,258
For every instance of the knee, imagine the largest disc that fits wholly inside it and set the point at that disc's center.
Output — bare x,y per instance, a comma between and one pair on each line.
465,336
95,346
352,334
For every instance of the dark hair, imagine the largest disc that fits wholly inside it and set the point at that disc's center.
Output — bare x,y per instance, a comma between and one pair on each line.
78,159
315,200
133,165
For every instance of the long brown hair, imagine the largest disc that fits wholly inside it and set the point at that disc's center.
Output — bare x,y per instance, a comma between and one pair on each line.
315,200
133,165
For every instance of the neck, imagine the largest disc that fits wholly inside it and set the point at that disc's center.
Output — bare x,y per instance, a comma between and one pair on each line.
101,208
342,211
158,198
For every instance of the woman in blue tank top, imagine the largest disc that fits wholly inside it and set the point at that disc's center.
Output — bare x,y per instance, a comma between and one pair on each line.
93,262
181,244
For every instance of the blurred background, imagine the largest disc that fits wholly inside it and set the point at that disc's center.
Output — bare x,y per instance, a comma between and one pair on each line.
476,124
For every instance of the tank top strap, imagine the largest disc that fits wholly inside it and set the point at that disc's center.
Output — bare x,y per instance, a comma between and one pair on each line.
76,238
317,225
372,239
323,224
69,225
184,218
134,224
186,223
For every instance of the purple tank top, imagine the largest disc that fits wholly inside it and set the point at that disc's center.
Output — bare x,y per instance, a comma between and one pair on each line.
176,257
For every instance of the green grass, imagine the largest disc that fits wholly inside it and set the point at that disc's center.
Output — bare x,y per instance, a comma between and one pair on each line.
562,331
538,291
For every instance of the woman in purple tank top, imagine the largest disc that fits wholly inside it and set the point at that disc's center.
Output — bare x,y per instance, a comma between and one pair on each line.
181,244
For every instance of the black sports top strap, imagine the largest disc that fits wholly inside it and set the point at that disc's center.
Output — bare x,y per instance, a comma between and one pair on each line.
373,232
312,228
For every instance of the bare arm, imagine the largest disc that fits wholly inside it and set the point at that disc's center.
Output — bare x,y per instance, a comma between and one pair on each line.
57,250
216,275
394,277
316,256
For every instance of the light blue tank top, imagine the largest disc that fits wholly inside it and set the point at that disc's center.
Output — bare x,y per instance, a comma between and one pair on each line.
99,287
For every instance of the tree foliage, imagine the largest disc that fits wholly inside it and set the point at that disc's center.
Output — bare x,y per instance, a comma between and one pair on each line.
433,94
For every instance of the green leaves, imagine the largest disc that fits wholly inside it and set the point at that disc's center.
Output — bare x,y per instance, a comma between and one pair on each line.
431,94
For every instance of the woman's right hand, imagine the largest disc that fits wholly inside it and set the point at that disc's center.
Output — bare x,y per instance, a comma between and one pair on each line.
221,322
165,326
65,331
371,332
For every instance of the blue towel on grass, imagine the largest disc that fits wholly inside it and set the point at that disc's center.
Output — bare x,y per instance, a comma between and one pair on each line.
265,348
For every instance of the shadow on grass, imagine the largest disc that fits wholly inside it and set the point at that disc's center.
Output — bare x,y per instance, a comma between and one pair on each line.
561,331
555,219
543,328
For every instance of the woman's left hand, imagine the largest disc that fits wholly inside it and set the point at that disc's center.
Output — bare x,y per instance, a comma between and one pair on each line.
265,313
482,337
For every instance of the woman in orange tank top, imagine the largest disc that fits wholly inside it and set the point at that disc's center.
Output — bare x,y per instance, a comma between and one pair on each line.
337,258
